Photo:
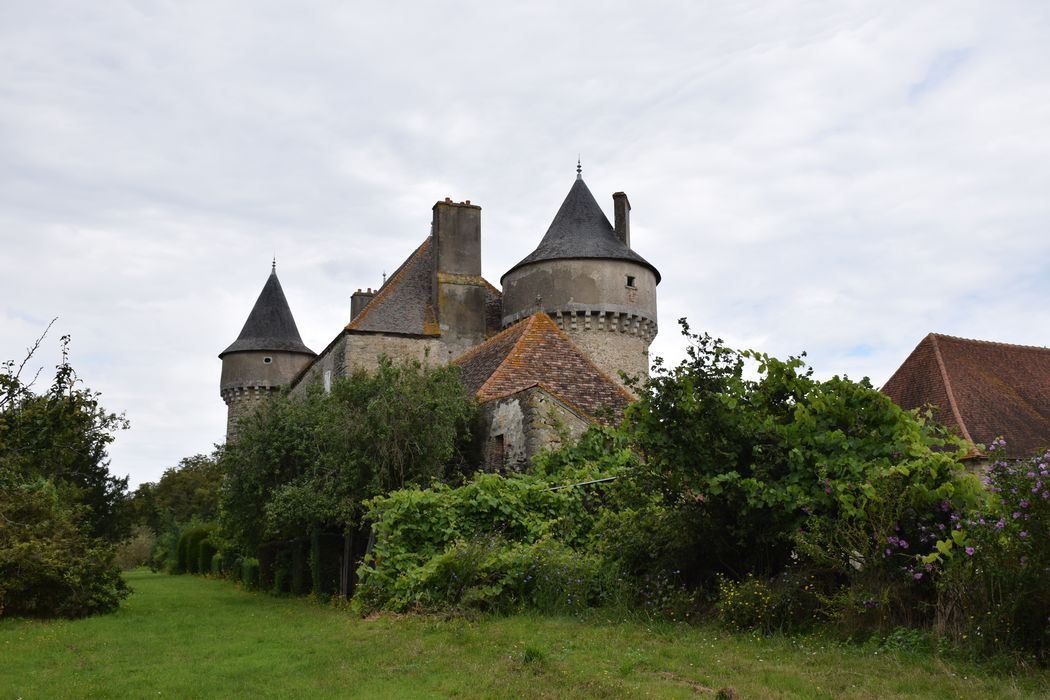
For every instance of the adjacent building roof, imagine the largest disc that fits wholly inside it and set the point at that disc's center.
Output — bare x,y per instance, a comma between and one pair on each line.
270,325
581,230
404,304
982,389
535,352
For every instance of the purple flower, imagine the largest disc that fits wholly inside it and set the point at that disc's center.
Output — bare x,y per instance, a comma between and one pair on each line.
1016,515
918,575
1000,525
969,550
1023,503
1022,534
904,544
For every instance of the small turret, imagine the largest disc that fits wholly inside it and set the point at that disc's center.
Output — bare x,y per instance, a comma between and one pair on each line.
266,356
585,276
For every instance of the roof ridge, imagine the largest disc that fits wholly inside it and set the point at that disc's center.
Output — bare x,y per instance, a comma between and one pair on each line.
529,322
586,358
993,343
390,285
542,318
948,388
481,346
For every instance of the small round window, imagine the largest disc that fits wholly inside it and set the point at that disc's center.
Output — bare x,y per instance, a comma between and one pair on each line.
267,360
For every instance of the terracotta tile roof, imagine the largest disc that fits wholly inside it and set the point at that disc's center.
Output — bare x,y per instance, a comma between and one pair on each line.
534,352
405,303
982,389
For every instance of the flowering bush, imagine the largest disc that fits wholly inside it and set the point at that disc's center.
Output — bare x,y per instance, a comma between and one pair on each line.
995,596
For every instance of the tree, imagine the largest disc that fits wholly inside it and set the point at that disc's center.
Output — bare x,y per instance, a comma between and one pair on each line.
60,508
188,491
62,435
742,452
307,463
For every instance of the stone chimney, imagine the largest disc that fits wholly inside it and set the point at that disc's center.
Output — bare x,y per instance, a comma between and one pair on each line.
457,237
622,215
459,290
359,300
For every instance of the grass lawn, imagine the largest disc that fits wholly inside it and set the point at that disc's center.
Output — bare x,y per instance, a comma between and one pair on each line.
183,636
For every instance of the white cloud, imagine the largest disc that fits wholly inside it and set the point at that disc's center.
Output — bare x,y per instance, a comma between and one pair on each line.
839,179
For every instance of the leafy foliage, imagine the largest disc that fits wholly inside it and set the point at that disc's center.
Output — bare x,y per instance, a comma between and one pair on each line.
62,435
994,596
60,508
743,451
50,564
307,463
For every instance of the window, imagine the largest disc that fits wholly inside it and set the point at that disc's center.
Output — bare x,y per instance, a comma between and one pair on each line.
630,281
267,360
327,381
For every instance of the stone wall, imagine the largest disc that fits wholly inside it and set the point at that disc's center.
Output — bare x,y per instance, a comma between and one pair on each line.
249,377
240,402
520,426
607,307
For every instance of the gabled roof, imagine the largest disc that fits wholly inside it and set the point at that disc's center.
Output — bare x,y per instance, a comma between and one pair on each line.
581,230
983,389
270,325
535,352
404,304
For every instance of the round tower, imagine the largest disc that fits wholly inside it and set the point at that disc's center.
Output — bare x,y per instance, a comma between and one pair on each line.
585,276
266,356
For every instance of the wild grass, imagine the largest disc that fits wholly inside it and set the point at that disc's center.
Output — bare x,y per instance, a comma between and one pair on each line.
185,636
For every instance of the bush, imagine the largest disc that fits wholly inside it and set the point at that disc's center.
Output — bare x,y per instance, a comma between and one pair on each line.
49,565
189,552
206,551
326,555
249,572
489,573
791,602
217,561
994,596
136,550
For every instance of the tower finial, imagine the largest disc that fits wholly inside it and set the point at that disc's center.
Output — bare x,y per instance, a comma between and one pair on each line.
579,168
273,265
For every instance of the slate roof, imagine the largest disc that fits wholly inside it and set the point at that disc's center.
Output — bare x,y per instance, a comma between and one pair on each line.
581,230
534,352
270,325
404,304
983,389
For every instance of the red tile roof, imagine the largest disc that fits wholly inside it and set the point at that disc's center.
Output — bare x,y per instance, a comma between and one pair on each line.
534,352
982,389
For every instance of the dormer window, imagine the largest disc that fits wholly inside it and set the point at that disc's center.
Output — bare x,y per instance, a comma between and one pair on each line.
630,281
267,360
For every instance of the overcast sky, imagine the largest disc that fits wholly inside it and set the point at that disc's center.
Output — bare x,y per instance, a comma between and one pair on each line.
835,177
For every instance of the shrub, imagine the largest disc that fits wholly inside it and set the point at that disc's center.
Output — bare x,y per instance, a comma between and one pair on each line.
49,565
206,551
189,552
217,561
249,572
994,596
326,554
489,573
136,550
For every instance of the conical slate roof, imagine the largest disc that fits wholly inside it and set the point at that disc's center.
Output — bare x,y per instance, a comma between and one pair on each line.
581,230
270,325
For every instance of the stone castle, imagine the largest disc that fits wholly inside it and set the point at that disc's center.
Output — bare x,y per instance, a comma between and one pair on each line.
544,357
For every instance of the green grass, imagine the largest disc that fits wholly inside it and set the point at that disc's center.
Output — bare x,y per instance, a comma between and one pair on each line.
184,636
